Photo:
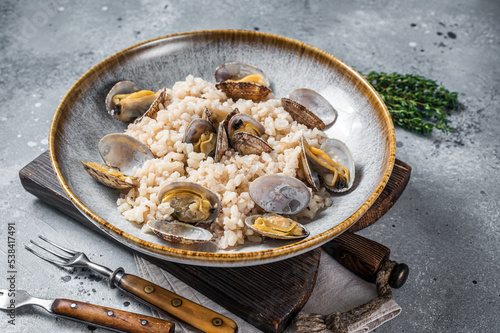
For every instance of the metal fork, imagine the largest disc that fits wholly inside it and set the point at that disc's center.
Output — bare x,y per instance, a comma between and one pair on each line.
75,259
188,311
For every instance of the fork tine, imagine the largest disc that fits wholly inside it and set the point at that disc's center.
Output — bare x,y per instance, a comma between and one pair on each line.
55,262
58,246
54,253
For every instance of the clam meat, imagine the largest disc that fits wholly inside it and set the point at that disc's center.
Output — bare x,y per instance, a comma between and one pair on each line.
280,194
332,162
191,202
239,80
276,226
179,233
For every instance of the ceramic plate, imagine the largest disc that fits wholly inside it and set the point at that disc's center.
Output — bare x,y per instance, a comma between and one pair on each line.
364,124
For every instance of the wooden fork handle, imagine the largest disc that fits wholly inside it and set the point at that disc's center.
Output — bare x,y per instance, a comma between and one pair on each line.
188,311
110,318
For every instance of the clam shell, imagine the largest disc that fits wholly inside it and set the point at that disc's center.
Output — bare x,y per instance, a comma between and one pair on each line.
340,153
249,221
237,71
280,194
107,179
209,195
124,152
195,130
243,90
222,143
310,175
207,115
162,98
247,144
244,118
301,114
316,104
180,233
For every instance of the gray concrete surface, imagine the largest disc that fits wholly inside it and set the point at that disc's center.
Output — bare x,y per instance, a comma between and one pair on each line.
445,226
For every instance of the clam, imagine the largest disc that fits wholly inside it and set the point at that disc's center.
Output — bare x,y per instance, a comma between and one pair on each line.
238,71
244,123
276,226
122,154
309,108
222,136
125,101
280,194
239,80
202,134
333,162
244,133
191,202
180,233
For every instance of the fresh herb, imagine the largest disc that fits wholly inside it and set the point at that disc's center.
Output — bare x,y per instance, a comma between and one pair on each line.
414,102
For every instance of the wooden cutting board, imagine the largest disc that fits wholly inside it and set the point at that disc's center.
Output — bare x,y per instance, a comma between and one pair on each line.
269,306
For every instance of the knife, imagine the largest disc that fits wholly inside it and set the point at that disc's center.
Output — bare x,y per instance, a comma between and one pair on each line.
96,315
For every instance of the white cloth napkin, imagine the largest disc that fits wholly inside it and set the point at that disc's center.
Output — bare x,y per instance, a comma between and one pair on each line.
336,290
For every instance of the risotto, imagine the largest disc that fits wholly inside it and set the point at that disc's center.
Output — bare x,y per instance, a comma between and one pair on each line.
231,177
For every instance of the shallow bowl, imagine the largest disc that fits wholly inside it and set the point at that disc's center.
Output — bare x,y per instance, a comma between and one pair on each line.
364,124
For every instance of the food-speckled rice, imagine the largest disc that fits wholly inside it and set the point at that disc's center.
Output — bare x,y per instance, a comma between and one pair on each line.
231,177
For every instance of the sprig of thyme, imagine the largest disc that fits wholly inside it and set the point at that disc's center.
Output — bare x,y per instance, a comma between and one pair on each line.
414,102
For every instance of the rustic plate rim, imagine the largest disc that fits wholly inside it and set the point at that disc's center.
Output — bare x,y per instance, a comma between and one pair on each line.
212,258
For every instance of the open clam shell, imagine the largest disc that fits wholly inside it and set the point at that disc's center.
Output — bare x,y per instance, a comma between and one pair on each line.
109,176
228,78
192,202
202,134
127,109
340,153
124,152
280,194
180,233
245,123
316,104
237,71
338,159
276,226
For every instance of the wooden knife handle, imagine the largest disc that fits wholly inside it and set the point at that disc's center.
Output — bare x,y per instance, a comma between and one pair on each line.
110,318
364,257
188,311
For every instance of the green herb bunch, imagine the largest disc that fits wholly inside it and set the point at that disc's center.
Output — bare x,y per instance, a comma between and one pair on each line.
414,102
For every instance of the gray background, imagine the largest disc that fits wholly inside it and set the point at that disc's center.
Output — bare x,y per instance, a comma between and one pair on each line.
445,226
